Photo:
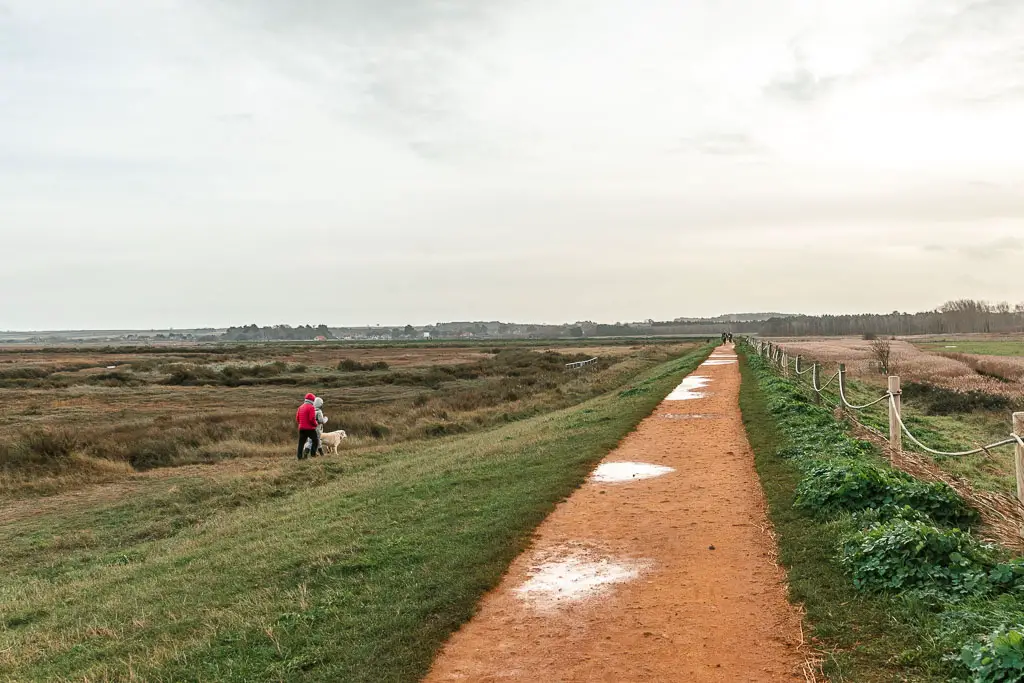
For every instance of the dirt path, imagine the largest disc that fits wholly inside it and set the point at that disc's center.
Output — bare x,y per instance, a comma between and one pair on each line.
622,583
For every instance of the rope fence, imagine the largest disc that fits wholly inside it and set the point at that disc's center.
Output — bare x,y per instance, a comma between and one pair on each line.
778,357
580,363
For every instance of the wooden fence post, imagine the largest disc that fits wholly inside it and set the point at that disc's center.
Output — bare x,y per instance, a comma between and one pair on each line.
896,407
1018,429
842,386
816,382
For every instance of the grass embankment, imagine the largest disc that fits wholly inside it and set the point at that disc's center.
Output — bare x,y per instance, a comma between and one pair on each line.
925,590
350,570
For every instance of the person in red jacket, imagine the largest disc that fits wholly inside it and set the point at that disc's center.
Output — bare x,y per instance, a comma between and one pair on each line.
306,419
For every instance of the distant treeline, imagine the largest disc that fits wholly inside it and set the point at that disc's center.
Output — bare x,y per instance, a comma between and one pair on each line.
276,333
963,315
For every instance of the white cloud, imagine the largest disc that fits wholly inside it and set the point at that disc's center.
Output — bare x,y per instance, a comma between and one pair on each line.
526,159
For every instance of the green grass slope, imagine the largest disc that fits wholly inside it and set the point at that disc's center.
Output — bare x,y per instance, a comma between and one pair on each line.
348,570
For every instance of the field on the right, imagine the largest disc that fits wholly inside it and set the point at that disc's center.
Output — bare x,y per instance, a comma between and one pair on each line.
959,393
893,563
973,345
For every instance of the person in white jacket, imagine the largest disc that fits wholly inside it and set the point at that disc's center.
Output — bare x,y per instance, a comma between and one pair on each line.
321,420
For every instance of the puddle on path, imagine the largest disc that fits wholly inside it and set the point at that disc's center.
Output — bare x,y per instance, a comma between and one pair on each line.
688,390
572,575
690,416
627,471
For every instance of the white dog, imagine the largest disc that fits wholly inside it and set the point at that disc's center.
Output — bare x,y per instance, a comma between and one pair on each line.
332,440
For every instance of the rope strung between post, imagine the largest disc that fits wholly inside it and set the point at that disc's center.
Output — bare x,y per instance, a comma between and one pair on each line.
899,418
804,372
866,405
1014,438
842,395
822,388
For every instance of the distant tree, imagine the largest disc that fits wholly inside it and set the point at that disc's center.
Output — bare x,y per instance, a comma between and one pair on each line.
881,351
576,331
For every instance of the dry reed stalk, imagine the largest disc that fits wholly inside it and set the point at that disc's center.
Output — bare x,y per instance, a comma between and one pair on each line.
957,372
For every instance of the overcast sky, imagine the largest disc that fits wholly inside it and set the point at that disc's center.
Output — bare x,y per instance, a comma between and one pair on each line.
214,162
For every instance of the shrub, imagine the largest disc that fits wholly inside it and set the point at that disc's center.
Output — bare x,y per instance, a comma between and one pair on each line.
443,429
866,519
941,401
190,376
1008,575
881,351
115,379
363,425
901,555
349,365
850,486
153,453
24,373
998,658
49,444
469,399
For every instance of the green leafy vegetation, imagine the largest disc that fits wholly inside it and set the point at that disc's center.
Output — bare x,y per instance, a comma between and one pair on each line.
997,659
851,486
902,555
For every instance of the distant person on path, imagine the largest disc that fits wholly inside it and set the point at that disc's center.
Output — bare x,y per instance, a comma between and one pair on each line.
306,419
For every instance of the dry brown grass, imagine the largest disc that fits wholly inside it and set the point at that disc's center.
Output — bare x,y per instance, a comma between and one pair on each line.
76,432
1005,368
999,375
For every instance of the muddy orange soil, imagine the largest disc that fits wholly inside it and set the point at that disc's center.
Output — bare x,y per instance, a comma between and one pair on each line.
668,578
